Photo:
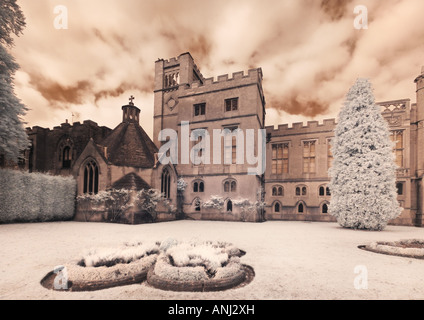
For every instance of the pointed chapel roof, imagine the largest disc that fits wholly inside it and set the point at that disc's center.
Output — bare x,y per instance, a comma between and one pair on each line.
131,181
128,144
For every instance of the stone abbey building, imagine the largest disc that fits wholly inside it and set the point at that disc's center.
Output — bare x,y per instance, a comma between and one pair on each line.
293,186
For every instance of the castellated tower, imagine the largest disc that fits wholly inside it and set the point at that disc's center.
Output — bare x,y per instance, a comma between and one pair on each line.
420,123
420,147
184,100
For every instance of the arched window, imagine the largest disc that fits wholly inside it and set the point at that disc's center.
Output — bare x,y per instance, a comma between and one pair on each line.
300,208
230,186
324,208
277,191
166,183
197,205
277,207
229,206
301,190
66,157
198,186
91,178
321,191
233,186
327,191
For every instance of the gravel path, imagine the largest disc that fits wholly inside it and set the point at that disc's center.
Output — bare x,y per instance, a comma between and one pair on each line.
292,260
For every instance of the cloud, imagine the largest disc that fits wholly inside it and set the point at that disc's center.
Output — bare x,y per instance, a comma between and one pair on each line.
335,9
308,50
122,88
57,94
299,105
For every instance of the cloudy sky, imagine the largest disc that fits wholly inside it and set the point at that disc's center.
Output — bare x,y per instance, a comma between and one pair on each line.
309,51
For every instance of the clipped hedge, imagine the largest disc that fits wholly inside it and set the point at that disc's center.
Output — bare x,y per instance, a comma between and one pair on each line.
35,197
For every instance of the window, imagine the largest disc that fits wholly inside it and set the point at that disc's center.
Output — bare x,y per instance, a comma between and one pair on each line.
91,178
300,208
172,79
199,109
66,157
231,104
301,190
397,138
230,186
277,191
277,207
197,204
64,151
309,156
198,153
329,154
230,149
324,208
166,183
229,206
399,187
324,191
198,186
280,158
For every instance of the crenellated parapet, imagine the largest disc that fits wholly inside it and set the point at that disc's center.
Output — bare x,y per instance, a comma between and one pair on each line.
236,78
174,62
328,125
64,126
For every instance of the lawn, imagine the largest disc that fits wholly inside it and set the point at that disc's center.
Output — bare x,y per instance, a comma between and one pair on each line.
292,260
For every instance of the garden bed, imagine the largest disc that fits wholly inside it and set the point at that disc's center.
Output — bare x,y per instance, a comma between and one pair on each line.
170,265
412,248
199,266
106,268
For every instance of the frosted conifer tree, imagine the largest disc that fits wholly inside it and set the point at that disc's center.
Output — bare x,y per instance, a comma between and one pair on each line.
363,174
13,138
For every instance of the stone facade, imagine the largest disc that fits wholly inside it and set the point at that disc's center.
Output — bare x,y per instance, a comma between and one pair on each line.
294,184
237,101
55,150
311,203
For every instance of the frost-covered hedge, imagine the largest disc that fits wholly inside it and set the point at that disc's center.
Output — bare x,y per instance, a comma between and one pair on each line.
33,197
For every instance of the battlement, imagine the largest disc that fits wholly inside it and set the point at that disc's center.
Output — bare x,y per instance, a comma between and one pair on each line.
38,129
176,61
299,127
225,80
